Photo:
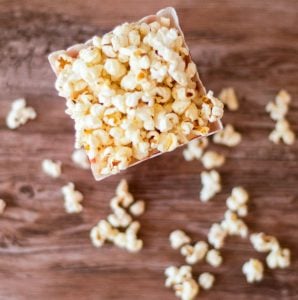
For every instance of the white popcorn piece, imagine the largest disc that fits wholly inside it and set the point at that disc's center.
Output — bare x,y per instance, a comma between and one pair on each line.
176,275
211,185
212,159
237,202
217,235
228,136
72,198
195,148
187,290
278,258
234,225
229,98
194,254
253,270
2,206
279,108
120,218
206,280
80,158
19,114
101,233
214,258
264,243
137,208
51,168
178,238
282,132
135,80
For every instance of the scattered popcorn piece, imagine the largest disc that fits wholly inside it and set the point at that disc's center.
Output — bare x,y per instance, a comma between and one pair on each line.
237,201
264,243
195,149
229,98
217,235
206,280
278,258
137,208
253,270
176,275
136,80
101,232
80,158
279,108
194,254
72,198
51,168
187,290
211,185
120,218
178,238
19,114
2,206
124,197
233,225
228,136
212,159
282,132
214,258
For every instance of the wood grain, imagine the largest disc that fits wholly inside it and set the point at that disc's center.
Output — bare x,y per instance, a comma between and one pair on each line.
45,253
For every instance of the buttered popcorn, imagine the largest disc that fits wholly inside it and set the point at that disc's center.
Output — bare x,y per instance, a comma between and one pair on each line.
263,243
253,270
133,93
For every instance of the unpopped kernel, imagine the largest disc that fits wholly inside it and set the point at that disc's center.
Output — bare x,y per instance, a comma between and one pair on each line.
19,114
253,270
228,136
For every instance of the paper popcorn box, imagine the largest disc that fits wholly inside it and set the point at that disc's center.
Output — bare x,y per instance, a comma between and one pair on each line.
170,13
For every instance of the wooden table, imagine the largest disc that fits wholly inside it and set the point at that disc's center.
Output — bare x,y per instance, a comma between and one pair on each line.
46,253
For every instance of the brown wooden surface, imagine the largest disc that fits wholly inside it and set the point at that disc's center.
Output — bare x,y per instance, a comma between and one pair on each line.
45,253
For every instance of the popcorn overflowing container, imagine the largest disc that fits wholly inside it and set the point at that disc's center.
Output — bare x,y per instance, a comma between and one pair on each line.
171,14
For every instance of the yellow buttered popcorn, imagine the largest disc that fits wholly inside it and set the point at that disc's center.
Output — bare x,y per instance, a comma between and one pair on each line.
134,93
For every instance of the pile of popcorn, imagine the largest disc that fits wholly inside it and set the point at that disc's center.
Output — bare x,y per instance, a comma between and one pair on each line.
120,228
278,111
132,93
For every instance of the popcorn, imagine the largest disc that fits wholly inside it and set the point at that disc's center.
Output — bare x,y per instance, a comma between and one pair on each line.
102,232
217,235
137,208
196,253
229,98
214,258
80,158
253,270
233,225
178,238
237,201
279,109
212,159
195,149
2,206
282,132
120,218
72,198
187,290
211,185
19,114
278,258
228,137
181,280
51,168
264,243
206,280
135,80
